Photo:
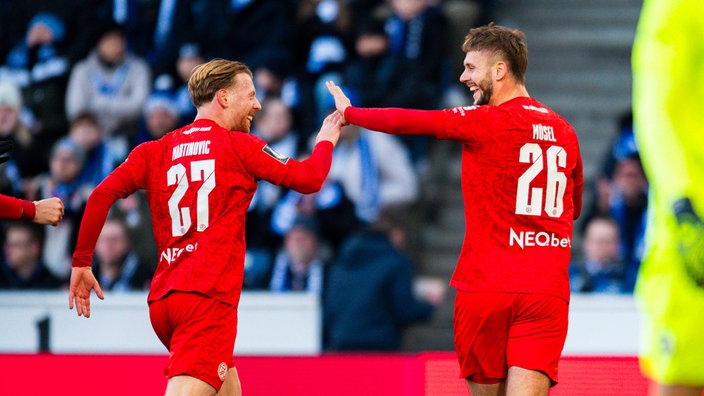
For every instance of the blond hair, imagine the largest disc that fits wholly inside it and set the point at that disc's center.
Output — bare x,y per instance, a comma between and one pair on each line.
212,76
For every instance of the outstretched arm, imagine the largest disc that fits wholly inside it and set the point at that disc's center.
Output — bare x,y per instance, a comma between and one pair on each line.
396,121
305,176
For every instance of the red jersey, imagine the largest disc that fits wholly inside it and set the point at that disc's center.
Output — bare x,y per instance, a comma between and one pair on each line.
199,181
14,208
522,185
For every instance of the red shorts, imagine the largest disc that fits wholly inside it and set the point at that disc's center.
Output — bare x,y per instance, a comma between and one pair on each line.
495,331
199,333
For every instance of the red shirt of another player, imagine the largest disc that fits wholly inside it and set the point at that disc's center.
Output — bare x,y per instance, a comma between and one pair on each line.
522,185
199,181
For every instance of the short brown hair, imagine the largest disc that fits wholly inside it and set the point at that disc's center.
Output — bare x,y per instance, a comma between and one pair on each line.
212,76
507,44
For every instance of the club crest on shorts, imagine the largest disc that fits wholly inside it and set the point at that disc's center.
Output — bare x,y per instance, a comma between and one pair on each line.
275,155
222,371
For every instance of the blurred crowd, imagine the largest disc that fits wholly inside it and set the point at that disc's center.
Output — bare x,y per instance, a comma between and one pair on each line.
82,82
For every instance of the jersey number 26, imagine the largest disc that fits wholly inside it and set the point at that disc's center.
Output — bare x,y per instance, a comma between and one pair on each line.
529,199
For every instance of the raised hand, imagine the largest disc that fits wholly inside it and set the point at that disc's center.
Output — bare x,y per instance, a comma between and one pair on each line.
341,100
330,130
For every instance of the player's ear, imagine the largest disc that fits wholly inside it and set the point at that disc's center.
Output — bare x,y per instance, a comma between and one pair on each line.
500,69
222,97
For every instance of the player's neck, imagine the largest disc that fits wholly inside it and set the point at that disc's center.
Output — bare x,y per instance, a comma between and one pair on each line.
205,114
505,93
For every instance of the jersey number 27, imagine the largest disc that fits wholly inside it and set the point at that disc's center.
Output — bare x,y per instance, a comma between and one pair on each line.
204,171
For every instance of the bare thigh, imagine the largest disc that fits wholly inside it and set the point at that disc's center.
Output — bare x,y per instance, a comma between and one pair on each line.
231,386
185,385
498,389
524,382
674,390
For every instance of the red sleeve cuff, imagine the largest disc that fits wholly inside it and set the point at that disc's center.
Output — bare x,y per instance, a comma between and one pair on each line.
29,210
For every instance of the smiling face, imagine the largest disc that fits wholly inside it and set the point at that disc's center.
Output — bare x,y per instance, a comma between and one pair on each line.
243,103
477,76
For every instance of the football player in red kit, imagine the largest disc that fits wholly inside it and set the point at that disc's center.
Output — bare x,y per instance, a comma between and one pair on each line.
199,181
522,185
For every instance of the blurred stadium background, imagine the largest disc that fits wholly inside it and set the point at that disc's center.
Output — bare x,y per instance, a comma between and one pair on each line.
579,65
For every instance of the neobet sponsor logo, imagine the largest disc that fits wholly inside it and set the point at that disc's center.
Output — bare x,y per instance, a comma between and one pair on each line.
171,254
524,239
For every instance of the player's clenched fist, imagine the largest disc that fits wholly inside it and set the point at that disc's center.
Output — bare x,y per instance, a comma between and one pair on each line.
49,211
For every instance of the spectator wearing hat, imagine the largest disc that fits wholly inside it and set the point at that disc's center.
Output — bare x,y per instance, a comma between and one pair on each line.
299,265
161,115
63,181
86,132
38,65
189,56
113,84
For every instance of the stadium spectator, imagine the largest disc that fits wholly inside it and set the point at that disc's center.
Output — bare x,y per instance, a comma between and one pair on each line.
323,32
601,269
668,120
117,266
417,34
100,159
38,65
46,211
138,21
161,114
299,266
275,79
274,125
369,299
22,267
371,72
63,181
625,198
199,181
113,84
189,56
233,24
521,173
375,170
29,158
331,207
